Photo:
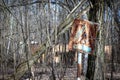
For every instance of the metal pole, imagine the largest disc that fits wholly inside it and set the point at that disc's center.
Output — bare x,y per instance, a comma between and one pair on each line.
79,65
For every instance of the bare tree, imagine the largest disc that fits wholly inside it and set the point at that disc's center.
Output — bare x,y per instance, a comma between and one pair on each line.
30,30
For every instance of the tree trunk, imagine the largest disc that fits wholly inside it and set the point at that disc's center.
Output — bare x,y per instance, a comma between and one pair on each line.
92,58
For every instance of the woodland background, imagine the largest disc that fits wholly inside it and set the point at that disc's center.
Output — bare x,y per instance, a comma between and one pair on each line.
34,35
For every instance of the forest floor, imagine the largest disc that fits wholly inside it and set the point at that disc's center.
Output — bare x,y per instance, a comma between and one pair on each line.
60,73
43,72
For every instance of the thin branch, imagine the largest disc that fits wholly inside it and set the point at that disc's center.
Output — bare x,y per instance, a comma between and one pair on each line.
63,5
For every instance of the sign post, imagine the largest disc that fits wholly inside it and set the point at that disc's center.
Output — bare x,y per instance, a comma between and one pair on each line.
82,39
